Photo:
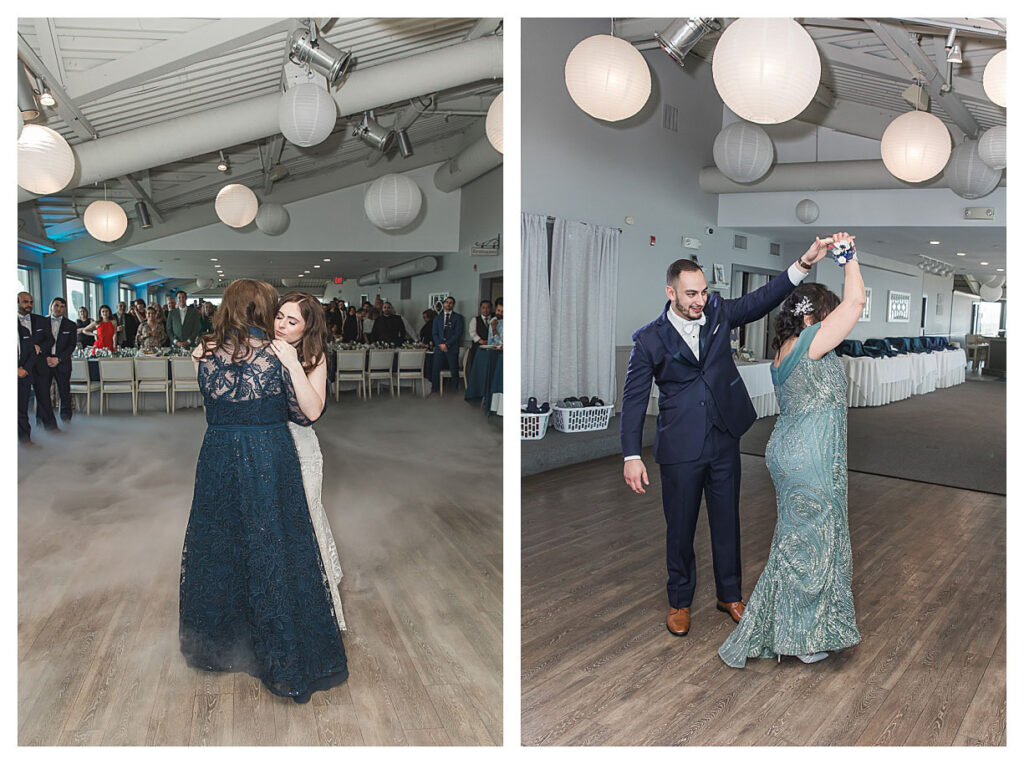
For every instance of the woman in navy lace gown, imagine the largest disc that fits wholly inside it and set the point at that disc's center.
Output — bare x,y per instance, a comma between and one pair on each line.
254,594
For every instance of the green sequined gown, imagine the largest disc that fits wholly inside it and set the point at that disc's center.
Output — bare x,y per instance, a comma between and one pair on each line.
803,601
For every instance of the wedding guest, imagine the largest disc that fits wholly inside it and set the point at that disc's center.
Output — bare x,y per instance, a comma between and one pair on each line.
170,305
36,330
84,340
206,318
58,361
389,327
103,329
138,314
494,333
427,331
447,333
478,328
352,325
367,324
183,323
128,325
152,333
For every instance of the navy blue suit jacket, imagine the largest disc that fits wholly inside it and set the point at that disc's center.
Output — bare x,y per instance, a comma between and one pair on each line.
63,344
42,337
453,336
684,382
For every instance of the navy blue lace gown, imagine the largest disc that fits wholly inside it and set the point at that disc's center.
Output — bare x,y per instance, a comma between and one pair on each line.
254,595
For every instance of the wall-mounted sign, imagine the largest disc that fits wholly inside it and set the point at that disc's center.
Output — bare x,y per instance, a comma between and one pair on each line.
865,315
338,279
899,308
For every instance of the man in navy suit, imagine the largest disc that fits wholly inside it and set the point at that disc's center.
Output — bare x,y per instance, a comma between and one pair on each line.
447,333
38,376
703,410
58,363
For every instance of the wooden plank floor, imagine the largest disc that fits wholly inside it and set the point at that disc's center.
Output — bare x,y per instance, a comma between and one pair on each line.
99,555
599,667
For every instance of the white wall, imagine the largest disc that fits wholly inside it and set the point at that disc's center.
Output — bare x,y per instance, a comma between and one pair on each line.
480,219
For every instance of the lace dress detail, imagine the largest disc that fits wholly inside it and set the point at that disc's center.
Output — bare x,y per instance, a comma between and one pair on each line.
254,594
803,601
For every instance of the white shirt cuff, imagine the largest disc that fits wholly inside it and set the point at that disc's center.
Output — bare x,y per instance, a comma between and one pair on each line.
796,275
631,458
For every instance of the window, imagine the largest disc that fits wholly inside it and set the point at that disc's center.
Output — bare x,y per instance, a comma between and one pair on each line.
987,316
82,292
125,294
29,278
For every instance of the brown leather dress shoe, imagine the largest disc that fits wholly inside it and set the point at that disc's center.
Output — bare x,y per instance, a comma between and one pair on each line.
678,621
734,609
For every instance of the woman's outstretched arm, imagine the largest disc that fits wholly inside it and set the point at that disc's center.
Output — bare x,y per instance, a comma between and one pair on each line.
840,322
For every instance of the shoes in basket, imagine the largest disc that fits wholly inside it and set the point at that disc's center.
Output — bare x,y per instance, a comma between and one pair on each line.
545,407
531,406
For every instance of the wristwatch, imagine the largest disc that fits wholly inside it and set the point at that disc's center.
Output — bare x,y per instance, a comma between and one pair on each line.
802,264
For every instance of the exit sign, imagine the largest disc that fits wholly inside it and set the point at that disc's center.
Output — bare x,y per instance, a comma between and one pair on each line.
338,279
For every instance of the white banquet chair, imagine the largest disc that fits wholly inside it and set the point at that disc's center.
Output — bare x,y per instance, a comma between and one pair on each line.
80,382
447,374
410,366
350,369
117,375
151,377
379,369
184,379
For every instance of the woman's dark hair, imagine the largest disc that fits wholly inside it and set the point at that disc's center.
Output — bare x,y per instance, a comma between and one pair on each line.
315,337
430,314
823,301
99,313
246,304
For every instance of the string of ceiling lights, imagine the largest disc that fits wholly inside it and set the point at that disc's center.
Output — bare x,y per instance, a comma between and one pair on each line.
307,115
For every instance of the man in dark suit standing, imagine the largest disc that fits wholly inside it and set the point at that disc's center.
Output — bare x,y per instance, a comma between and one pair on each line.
704,408
389,327
182,323
38,335
447,333
58,361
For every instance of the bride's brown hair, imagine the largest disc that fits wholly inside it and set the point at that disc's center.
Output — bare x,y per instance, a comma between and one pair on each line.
315,337
246,304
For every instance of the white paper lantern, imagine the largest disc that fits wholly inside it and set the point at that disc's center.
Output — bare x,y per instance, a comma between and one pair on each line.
236,205
992,290
392,202
915,146
493,123
306,114
994,79
992,147
967,175
21,123
743,152
806,211
46,163
766,70
272,219
203,283
105,221
607,78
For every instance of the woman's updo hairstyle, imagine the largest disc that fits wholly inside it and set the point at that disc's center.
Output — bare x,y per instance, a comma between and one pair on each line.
815,300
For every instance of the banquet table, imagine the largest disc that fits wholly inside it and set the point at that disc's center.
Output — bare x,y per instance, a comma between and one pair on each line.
485,379
951,367
757,378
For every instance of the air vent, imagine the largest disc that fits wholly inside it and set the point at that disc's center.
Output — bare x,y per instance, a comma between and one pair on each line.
670,118
739,242
775,248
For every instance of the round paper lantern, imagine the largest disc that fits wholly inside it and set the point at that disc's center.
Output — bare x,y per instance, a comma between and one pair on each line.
806,211
915,146
203,283
105,221
994,79
992,147
306,114
236,205
607,78
21,123
766,70
493,124
992,290
272,219
967,175
743,152
392,202
45,160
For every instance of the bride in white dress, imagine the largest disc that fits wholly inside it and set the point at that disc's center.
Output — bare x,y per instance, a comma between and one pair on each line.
301,341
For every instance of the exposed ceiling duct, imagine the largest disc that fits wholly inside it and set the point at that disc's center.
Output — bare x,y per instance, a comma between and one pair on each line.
252,120
27,104
469,164
850,175
415,267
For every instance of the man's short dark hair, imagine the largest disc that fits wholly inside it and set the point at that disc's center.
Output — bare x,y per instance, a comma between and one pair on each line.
678,267
61,300
449,297
483,301
180,292
498,301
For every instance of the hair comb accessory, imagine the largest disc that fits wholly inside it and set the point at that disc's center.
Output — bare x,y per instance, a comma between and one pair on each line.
803,307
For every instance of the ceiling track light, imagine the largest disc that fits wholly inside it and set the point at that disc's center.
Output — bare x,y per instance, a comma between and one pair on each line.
404,144
306,48
374,133
27,104
679,37
954,55
142,215
222,165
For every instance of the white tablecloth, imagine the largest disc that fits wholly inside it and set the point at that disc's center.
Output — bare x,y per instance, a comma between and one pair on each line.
951,367
924,372
878,381
757,378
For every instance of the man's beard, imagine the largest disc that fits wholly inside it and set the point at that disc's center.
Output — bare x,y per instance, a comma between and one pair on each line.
685,313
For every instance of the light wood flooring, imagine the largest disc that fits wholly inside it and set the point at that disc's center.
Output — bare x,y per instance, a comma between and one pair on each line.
600,668
99,553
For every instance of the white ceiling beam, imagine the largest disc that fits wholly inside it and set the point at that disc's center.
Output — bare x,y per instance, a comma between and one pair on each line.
65,108
49,49
483,27
274,148
206,42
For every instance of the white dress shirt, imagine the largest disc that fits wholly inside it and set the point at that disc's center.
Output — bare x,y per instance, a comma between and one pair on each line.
689,329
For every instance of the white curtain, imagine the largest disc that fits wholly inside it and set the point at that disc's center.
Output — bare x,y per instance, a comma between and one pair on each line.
756,329
584,269
535,341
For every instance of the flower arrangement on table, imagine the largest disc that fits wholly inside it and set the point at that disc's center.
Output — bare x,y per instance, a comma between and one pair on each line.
374,346
91,352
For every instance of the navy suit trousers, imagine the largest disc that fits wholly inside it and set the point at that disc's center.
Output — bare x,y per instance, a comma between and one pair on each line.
716,475
63,379
441,359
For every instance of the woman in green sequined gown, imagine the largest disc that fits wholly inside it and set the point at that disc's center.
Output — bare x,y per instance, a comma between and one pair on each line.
802,604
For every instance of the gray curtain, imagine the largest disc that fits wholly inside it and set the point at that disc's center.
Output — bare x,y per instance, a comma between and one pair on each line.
584,268
535,341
